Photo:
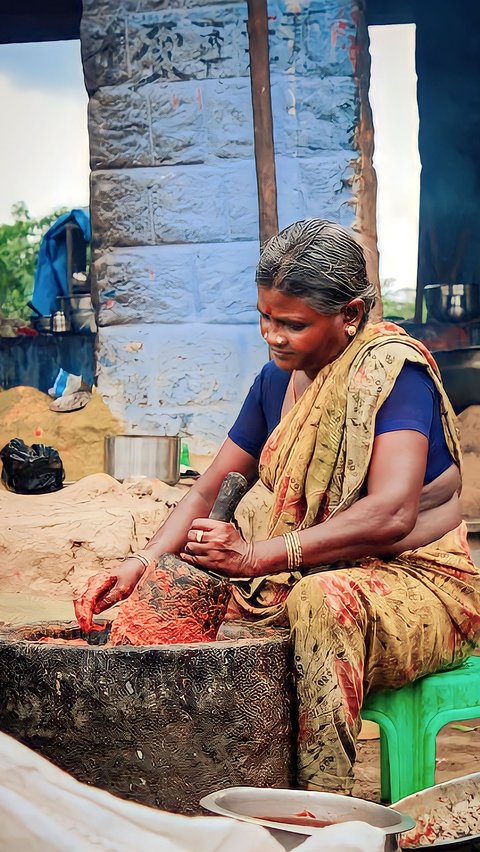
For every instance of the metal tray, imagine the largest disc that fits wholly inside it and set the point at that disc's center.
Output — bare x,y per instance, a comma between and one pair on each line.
254,804
433,800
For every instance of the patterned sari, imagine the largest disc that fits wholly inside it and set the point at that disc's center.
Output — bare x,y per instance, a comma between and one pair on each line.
370,623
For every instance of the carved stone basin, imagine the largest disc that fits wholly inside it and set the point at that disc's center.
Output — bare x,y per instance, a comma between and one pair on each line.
163,725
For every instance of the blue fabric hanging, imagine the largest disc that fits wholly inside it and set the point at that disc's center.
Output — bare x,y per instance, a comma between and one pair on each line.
51,269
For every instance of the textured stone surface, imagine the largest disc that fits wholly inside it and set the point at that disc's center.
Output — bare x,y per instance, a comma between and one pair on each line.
104,51
147,284
170,284
98,7
313,115
174,205
164,725
190,379
326,186
190,122
172,44
314,37
317,186
171,123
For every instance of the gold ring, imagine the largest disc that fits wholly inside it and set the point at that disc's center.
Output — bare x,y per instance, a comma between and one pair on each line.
199,535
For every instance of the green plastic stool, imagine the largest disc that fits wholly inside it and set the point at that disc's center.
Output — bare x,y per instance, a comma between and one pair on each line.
410,719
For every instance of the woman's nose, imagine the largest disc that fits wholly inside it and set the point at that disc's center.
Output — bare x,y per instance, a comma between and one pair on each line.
273,337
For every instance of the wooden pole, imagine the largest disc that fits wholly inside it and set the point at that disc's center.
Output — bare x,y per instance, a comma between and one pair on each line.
257,27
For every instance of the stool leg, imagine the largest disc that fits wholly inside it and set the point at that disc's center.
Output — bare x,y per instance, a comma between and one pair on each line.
385,779
427,742
397,754
389,755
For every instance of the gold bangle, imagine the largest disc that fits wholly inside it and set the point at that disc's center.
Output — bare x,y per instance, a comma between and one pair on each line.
293,546
146,557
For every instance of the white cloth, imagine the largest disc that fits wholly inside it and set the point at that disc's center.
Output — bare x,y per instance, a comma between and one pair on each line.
43,809
346,837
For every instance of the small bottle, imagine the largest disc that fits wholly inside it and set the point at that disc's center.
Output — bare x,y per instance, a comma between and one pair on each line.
184,455
59,323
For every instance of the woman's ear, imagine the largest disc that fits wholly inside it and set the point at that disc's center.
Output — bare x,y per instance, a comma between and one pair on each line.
354,311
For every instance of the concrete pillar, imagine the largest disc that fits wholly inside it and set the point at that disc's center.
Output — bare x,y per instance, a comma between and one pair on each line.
173,191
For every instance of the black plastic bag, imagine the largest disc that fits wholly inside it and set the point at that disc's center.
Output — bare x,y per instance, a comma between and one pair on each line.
31,470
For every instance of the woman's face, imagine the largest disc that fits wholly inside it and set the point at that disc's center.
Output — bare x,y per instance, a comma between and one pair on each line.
299,337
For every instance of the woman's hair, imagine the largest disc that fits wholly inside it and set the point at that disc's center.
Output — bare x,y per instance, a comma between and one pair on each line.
319,262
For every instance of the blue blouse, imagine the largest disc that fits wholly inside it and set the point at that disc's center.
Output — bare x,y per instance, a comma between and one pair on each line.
413,403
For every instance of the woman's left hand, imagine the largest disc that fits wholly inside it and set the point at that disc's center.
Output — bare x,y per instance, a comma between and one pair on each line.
219,547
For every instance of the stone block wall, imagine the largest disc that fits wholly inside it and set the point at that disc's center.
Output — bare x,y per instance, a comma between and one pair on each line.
173,190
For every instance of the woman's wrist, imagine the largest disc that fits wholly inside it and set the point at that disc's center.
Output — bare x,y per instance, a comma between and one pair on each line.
270,556
146,557
142,563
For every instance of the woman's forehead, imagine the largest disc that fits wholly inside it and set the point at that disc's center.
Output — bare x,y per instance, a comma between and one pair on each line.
272,301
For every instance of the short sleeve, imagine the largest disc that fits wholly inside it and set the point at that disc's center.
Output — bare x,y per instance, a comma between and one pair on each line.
250,429
410,404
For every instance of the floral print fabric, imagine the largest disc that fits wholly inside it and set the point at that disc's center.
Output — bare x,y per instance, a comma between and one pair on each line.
374,625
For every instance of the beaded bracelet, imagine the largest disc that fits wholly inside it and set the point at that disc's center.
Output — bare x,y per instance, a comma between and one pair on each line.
294,550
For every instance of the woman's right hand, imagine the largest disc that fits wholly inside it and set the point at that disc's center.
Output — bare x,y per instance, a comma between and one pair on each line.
105,589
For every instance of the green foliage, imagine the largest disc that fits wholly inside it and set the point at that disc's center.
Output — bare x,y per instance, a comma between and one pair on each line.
392,305
19,244
393,308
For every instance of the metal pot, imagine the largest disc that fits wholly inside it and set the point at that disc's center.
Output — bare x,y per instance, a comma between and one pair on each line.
452,302
155,456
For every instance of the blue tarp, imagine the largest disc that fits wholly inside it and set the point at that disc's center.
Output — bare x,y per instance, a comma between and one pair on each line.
51,269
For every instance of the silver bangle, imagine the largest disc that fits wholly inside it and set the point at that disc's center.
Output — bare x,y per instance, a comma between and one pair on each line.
145,557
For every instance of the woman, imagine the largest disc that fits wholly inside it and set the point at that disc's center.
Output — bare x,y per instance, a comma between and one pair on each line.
366,556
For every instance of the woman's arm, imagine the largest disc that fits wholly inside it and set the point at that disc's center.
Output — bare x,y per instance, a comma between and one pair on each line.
385,516
105,589
172,535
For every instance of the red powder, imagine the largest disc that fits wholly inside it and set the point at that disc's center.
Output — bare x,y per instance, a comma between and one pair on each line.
303,818
84,605
173,604
50,640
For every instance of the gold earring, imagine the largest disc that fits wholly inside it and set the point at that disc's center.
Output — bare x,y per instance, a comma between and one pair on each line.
351,330
265,336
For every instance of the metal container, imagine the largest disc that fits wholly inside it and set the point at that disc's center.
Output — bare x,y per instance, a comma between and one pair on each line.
451,813
60,323
156,456
79,310
452,302
256,805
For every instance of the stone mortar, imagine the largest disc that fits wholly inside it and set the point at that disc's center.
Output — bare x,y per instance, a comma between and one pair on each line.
163,725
